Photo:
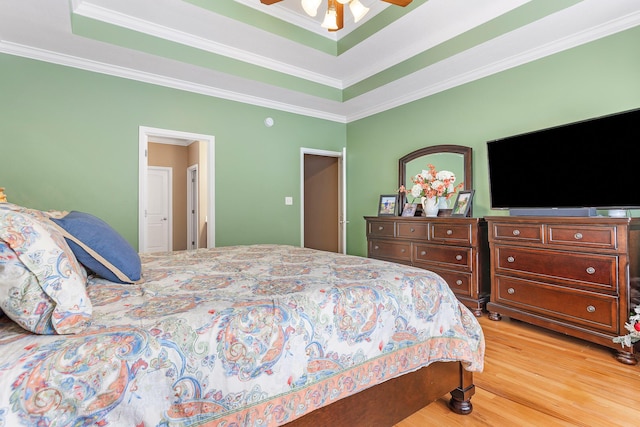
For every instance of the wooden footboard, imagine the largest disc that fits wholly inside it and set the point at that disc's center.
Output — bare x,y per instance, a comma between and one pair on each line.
392,401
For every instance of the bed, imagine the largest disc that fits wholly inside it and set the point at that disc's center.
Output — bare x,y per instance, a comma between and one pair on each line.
254,335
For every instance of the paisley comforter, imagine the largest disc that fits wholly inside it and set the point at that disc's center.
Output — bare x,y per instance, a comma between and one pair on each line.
235,336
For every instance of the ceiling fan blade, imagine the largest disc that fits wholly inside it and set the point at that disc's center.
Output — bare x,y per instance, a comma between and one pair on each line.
269,1
402,3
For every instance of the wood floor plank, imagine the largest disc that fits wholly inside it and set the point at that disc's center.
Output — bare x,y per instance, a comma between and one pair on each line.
535,377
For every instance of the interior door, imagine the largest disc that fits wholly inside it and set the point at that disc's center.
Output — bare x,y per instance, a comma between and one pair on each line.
192,207
322,206
158,214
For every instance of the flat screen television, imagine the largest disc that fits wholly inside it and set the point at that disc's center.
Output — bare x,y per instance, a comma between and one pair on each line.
586,165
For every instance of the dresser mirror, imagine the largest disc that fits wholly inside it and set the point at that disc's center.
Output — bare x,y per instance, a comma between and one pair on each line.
454,158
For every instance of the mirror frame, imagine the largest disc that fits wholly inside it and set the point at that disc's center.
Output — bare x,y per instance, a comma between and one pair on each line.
437,149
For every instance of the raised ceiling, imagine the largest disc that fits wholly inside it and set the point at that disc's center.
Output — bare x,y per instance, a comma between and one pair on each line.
278,57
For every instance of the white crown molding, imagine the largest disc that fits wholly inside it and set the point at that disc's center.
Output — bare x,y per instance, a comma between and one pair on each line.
410,38
443,79
360,62
141,76
479,62
112,17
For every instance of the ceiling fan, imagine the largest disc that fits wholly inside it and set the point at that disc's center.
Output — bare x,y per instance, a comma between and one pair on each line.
334,17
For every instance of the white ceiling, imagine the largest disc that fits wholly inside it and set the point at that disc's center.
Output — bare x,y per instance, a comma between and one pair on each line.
293,76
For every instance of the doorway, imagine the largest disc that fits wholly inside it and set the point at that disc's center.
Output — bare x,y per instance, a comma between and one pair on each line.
205,197
323,195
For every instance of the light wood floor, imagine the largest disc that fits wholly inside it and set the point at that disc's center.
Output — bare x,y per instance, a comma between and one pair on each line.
534,377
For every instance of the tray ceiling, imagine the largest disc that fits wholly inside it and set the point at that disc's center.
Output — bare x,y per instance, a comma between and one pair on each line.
278,57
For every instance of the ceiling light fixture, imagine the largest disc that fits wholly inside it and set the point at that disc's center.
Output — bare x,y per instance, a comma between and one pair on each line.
331,17
311,6
334,16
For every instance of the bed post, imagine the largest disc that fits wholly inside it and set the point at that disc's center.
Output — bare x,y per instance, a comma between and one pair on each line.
460,402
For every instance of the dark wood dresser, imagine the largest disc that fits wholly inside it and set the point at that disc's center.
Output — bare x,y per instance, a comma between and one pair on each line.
574,275
455,248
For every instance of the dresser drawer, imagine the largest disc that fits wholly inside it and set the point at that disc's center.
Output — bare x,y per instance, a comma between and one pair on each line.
381,228
445,255
412,230
459,282
524,233
456,234
584,308
389,249
583,236
584,270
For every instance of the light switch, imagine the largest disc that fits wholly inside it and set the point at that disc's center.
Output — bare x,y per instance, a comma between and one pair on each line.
288,200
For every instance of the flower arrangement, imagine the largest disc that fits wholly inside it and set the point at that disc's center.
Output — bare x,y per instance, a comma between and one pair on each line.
633,326
431,183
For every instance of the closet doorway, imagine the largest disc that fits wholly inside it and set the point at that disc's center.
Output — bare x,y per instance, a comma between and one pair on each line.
323,196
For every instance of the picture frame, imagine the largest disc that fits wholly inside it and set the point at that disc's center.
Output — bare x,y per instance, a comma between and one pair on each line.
409,209
388,205
463,203
401,202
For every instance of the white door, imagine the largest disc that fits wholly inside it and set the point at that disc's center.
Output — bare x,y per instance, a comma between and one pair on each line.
159,184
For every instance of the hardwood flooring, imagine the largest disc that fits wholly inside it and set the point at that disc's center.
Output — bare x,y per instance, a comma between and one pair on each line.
535,377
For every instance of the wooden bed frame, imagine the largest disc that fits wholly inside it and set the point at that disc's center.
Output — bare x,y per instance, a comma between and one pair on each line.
392,401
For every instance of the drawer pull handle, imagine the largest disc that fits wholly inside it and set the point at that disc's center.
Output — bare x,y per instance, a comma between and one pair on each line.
578,236
449,232
510,259
403,250
458,257
591,309
511,291
423,253
516,232
591,270
376,247
380,228
412,229
458,282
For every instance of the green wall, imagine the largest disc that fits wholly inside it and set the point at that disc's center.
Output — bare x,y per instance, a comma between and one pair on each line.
598,78
69,140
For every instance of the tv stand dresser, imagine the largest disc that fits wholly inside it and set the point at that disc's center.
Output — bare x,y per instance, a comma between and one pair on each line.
456,248
575,275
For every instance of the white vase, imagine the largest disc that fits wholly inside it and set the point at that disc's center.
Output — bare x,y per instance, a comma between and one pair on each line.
430,206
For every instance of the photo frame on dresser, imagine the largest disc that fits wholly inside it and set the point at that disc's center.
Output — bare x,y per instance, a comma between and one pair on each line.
401,203
463,203
388,205
409,209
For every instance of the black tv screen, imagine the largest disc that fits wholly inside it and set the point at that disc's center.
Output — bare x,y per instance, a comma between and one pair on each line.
587,164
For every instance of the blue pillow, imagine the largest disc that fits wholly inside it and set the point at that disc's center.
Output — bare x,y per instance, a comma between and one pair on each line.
99,247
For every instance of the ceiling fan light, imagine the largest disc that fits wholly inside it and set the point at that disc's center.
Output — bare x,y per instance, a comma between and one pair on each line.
330,20
358,10
311,6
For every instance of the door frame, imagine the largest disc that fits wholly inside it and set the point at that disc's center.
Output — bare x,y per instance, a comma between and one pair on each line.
342,192
193,204
169,172
144,133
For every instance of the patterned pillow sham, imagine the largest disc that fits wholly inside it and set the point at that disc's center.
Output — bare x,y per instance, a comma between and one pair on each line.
21,295
45,255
